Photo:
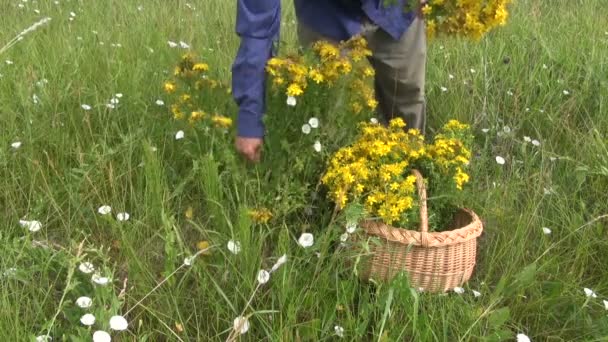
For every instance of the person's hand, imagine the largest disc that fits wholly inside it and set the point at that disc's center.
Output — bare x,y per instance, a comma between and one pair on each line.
250,148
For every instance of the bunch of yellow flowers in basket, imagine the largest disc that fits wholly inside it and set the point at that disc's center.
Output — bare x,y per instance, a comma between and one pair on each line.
469,18
375,170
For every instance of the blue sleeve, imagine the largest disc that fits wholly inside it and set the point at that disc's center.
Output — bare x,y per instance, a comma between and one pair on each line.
257,24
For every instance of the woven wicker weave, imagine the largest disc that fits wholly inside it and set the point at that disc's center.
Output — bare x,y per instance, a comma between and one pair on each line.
434,261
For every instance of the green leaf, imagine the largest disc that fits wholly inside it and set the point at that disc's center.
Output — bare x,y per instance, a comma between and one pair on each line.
499,317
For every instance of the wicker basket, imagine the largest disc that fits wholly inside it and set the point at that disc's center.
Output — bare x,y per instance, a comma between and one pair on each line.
435,261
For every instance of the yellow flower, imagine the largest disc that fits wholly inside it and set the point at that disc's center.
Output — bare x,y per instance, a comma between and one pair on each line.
294,89
189,213
177,71
372,103
196,116
169,87
278,80
426,9
200,67
397,123
316,76
185,98
177,113
203,245
367,71
262,215
221,121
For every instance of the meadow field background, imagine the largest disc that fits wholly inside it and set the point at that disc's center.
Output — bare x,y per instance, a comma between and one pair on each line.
85,124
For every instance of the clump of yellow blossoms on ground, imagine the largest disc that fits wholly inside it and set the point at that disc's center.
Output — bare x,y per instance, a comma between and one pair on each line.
262,215
470,18
375,171
190,81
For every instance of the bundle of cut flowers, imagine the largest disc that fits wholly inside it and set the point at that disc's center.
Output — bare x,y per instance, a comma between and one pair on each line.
469,18
376,172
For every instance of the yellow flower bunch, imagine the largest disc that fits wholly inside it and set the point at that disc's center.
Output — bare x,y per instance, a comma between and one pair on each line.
262,215
330,63
376,169
470,18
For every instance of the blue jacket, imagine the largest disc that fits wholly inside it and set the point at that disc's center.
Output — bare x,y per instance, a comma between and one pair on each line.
258,24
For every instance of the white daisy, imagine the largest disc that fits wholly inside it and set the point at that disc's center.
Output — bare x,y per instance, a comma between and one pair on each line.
32,226
527,139
450,76
85,106
522,338
188,261
510,93
317,146
472,71
110,106
99,280
306,128
35,99
279,263
101,336
545,66
104,210
485,130
605,304
263,276
160,102
172,44
84,302
566,92
183,45
118,323
123,216
344,237
306,240
351,227
43,338
234,247
72,14
291,101
339,331
313,122
459,290
373,120
589,293
546,231
500,160
86,267
118,95
506,129
87,319
179,135
476,293
444,89
241,325
535,142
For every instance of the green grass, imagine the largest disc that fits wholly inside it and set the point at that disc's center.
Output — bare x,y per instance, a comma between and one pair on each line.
73,161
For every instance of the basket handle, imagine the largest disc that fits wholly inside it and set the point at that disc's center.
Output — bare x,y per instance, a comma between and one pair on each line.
424,215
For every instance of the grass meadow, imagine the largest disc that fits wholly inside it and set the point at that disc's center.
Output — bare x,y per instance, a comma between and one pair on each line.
534,91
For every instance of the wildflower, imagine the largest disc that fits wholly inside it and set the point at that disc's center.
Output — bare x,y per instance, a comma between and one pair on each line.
589,293
444,89
306,128
169,87
476,293
200,67
459,290
86,267
522,338
605,304
84,302
473,71
317,146
306,240
313,122
160,102
172,44
260,215
279,263
101,336
32,226
374,121
188,261
104,210
99,280
450,76
344,237
234,246
183,45
527,139
291,101
241,325
339,331
500,160
351,227
43,338
123,216
566,92
179,135
546,231
189,213
221,121
536,143
85,107
87,319
485,130
506,129
9,62
263,277
294,89
118,323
